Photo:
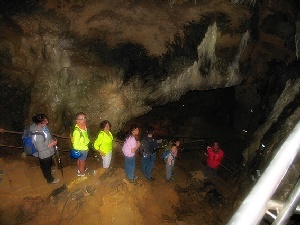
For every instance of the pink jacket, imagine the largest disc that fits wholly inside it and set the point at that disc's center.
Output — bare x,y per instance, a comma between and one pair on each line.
129,144
214,158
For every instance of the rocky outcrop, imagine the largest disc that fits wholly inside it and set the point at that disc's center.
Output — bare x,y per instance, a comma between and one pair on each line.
71,60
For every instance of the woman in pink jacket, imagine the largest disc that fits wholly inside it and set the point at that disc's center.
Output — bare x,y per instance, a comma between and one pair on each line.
129,148
214,157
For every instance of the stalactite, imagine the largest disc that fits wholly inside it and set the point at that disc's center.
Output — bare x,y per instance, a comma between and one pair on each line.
233,69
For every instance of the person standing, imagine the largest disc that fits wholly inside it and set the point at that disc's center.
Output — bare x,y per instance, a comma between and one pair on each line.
44,143
169,159
80,142
148,153
214,157
103,143
129,148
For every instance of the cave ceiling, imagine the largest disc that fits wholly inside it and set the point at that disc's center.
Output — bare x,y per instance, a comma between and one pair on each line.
118,59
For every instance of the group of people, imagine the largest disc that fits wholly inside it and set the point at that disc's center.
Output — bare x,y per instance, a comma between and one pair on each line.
148,149
102,145
46,143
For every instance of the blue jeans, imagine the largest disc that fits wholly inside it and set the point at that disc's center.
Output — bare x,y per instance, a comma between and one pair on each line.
129,167
147,164
209,169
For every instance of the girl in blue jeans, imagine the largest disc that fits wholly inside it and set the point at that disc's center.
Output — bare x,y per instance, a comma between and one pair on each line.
129,148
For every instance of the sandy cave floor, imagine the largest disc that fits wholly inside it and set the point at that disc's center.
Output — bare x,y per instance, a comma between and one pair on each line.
106,197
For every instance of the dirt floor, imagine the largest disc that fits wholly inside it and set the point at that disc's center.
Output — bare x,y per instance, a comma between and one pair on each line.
105,196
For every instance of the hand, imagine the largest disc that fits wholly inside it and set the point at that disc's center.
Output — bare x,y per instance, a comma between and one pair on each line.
101,153
52,143
138,143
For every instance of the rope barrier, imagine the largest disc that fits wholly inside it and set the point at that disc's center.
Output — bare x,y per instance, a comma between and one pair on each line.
17,132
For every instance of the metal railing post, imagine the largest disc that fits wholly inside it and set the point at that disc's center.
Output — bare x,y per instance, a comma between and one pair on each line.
289,207
254,206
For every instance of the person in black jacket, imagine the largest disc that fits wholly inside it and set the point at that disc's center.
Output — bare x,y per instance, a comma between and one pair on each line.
148,152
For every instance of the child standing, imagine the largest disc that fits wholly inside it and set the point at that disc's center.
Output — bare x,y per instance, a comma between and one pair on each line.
170,160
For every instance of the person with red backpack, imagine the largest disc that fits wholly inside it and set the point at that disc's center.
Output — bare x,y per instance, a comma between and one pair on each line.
214,157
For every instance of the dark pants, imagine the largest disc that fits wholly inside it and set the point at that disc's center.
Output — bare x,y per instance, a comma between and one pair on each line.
46,165
209,169
147,164
129,167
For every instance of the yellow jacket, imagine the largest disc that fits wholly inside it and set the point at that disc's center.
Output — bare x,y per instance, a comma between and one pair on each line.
80,139
104,142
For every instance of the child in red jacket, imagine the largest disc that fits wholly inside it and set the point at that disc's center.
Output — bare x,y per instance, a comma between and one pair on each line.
214,157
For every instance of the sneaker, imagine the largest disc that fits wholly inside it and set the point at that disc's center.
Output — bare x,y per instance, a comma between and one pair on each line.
78,172
55,181
170,180
53,172
151,179
135,178
82,175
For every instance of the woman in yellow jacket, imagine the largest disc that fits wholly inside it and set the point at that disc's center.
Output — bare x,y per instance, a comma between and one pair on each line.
80,142
103,143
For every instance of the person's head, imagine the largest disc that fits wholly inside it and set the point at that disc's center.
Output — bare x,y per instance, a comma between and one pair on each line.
173,148
134,130
216,146
40,119
176,142
150,131
80,119
105,125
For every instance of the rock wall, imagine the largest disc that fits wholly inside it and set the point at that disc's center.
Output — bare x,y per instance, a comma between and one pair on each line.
69,58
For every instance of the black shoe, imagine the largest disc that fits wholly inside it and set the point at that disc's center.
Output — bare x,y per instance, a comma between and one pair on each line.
151,179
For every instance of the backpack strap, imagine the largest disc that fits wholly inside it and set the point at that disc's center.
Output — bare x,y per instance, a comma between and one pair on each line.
38,133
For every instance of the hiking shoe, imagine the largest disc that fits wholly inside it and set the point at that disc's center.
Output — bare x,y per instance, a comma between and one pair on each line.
85,169
151,179
55,181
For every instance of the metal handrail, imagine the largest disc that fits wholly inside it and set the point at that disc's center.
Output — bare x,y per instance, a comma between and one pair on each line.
254,205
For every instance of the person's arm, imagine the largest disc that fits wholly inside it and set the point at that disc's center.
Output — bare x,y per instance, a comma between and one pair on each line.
76,139
134,149
52,143
98,143
222,157
39,142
